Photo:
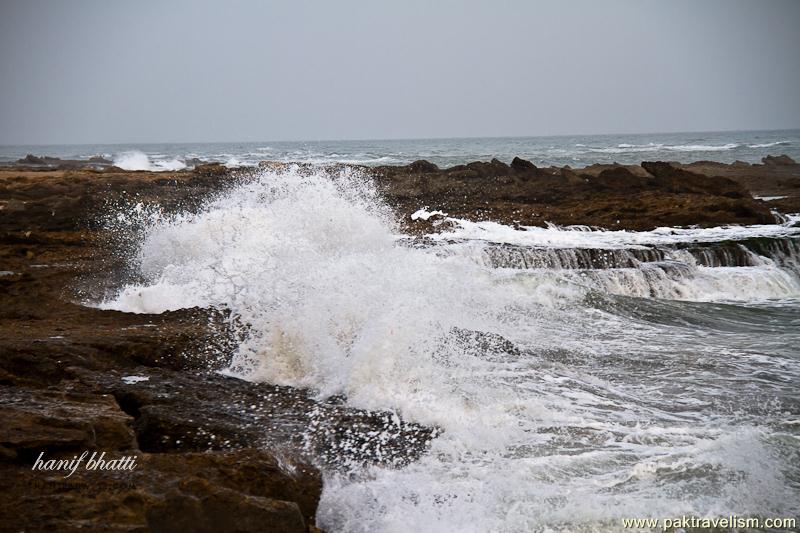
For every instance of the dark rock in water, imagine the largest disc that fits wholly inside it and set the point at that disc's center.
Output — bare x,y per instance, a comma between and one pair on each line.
422,166
31,159
522,165
194,161
211,169
778,160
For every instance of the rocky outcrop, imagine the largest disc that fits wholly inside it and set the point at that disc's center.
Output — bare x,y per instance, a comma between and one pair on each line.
657,194
777,176
778,160
237,490
36,420
213,453
46,162
211,169
48,201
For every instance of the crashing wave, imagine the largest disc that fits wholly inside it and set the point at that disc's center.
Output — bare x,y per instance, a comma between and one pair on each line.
557,411
135,160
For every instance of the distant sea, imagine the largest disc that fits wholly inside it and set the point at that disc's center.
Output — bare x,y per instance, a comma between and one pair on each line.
573,150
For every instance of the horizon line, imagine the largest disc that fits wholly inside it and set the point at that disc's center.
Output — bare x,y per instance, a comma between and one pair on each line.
390,139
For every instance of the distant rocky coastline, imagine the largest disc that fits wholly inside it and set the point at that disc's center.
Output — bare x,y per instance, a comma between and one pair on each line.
612,196
608,196
214,452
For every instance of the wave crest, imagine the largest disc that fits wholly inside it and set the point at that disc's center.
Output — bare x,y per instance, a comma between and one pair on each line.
136,160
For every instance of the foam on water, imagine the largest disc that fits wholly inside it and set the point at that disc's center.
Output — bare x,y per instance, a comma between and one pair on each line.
678,282
559,412
573,150
583,237
310,262
136,160
624,148
769,145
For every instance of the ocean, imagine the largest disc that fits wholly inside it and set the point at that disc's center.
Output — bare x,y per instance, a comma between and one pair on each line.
579,377
576,150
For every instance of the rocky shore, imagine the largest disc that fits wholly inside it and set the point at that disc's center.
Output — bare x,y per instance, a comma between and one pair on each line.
610,196
216,453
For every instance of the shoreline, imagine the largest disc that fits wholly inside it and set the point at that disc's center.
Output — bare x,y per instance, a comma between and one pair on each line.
574,150
701,193
240,448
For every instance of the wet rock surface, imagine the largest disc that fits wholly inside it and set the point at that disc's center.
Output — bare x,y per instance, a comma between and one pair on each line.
776,181
610,196
215,453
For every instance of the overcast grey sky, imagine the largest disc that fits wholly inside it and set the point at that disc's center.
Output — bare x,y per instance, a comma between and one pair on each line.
170,71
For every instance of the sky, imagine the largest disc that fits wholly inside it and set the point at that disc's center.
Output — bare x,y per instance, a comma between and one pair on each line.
107,71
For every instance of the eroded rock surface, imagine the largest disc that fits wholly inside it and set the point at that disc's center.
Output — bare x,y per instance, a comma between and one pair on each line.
611,196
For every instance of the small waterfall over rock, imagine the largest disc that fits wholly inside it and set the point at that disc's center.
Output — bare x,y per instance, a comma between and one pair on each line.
755,267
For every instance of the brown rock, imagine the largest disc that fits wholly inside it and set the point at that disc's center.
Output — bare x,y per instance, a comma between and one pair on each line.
422,166
636,198
211,169
200,506
242,490
34,421
522,165
778,160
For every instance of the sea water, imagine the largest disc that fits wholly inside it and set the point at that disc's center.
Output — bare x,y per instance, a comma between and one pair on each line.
579,376
576,150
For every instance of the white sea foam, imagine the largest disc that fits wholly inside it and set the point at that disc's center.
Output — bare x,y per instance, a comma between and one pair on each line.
768,145
701,147
135,160
628,148
677,277
566,431
624,148
583,237
697,284
308,260
235,162
424,214
132,380
769,198
132,161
